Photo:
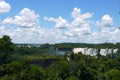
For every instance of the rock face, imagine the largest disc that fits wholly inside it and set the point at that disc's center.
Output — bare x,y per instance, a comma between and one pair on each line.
94,51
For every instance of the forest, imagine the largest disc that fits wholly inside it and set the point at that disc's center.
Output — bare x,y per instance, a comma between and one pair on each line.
42,63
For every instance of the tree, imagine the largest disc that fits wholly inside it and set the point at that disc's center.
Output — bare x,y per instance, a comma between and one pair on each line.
113,74
6,49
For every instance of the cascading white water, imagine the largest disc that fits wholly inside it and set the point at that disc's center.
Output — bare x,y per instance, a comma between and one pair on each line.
94,51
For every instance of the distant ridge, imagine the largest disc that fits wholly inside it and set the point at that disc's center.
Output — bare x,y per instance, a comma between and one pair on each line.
28,44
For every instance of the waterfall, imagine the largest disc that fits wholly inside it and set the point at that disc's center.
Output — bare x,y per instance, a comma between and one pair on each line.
94,51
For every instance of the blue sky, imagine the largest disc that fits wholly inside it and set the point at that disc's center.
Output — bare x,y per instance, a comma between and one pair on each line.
63,20
63,8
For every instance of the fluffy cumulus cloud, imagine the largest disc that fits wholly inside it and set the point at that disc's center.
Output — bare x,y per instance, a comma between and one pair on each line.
75,30
76,13
25,27
106,21
26,18
60,22
4,6
80,29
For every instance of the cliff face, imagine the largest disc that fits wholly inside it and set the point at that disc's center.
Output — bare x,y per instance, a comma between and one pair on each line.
94,51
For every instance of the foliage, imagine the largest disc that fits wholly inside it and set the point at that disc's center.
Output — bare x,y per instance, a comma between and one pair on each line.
113,74
15,63
6,49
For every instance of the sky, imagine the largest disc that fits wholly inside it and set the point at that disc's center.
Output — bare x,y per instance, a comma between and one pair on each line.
58,21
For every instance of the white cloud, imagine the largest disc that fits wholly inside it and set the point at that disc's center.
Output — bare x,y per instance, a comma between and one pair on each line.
4,7
9,20
71,31
81,29
76,13
26,18
106,21
60,22
79,20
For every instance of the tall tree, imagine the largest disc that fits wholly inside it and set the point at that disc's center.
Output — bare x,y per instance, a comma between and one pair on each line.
6,48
